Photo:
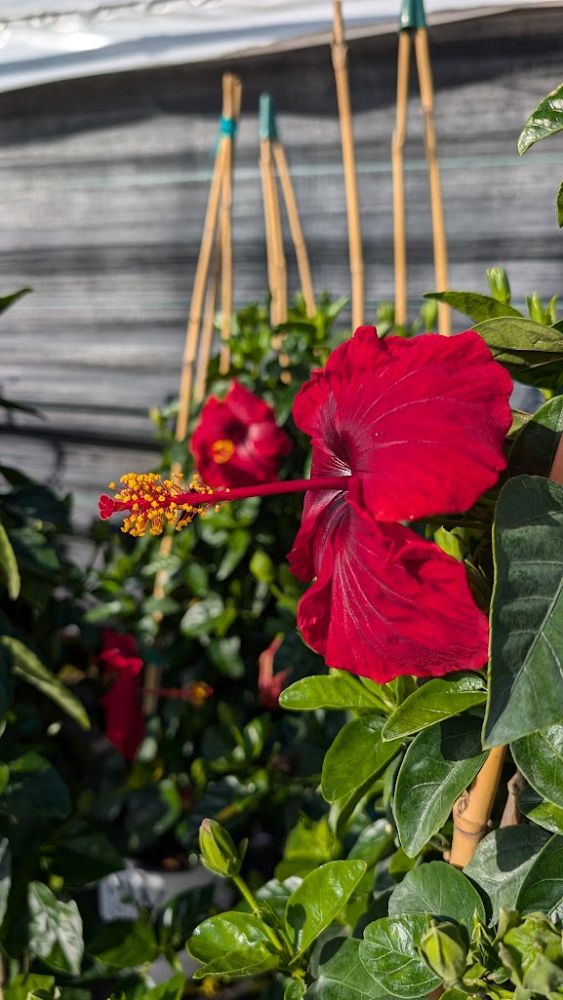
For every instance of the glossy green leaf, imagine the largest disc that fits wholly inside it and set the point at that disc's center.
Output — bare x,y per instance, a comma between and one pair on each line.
390,954
249,961
123,944
29,668
337,691
439,764
55,930
542,889
434,701
357,754
539,811
374,842
478,307
502,861
534,447
82,855
531,352
545,120
8,566
318,901
526,665
539,756
225,934
309,844
440,890
559,206
342,976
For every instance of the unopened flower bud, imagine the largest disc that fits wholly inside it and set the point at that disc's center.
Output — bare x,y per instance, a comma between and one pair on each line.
499,284
218,852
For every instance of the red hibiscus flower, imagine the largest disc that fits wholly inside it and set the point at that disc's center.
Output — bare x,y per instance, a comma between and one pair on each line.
125,725
401,430
237,441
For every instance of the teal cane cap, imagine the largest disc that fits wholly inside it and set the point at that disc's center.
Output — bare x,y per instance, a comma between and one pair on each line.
267,118
412,15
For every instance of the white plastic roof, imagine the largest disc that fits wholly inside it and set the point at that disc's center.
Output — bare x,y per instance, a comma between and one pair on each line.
44,41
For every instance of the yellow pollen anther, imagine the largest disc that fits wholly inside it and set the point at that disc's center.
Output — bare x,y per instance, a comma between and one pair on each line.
222,450
152,502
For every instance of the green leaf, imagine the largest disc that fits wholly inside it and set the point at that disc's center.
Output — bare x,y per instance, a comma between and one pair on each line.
439,764
225,655
180,916
531,352
390,954
440,890
172,989
237,546
309,844
26,665
534,447
21,987
318,901
373,843
559,206
83,855
249,961
501,862
124,944
539,756
357,754
342,976
526,665
545,814
337,691
9,566
542,889
8,300
434,701
201,615
547,119
273,896
478,307
55,930
226,934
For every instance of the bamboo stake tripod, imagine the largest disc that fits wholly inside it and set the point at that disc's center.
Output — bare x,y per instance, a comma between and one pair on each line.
216,240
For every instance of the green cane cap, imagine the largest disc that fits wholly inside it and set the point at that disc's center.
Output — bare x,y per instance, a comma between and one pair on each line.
267,118
412,15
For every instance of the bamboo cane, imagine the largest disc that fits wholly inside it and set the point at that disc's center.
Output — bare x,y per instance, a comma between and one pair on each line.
340,63
471,812
397,156
231,110
207,328
301,254
436,206
277,275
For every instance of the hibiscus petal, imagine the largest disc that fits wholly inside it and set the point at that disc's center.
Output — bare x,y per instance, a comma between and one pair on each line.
386,602
420,423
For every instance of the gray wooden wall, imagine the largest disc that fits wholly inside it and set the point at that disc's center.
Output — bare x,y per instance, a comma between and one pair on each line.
103,184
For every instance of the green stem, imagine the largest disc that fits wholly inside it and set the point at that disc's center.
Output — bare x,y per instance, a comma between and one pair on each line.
254,906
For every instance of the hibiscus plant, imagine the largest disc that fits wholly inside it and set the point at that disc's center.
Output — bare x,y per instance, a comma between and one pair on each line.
339,683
